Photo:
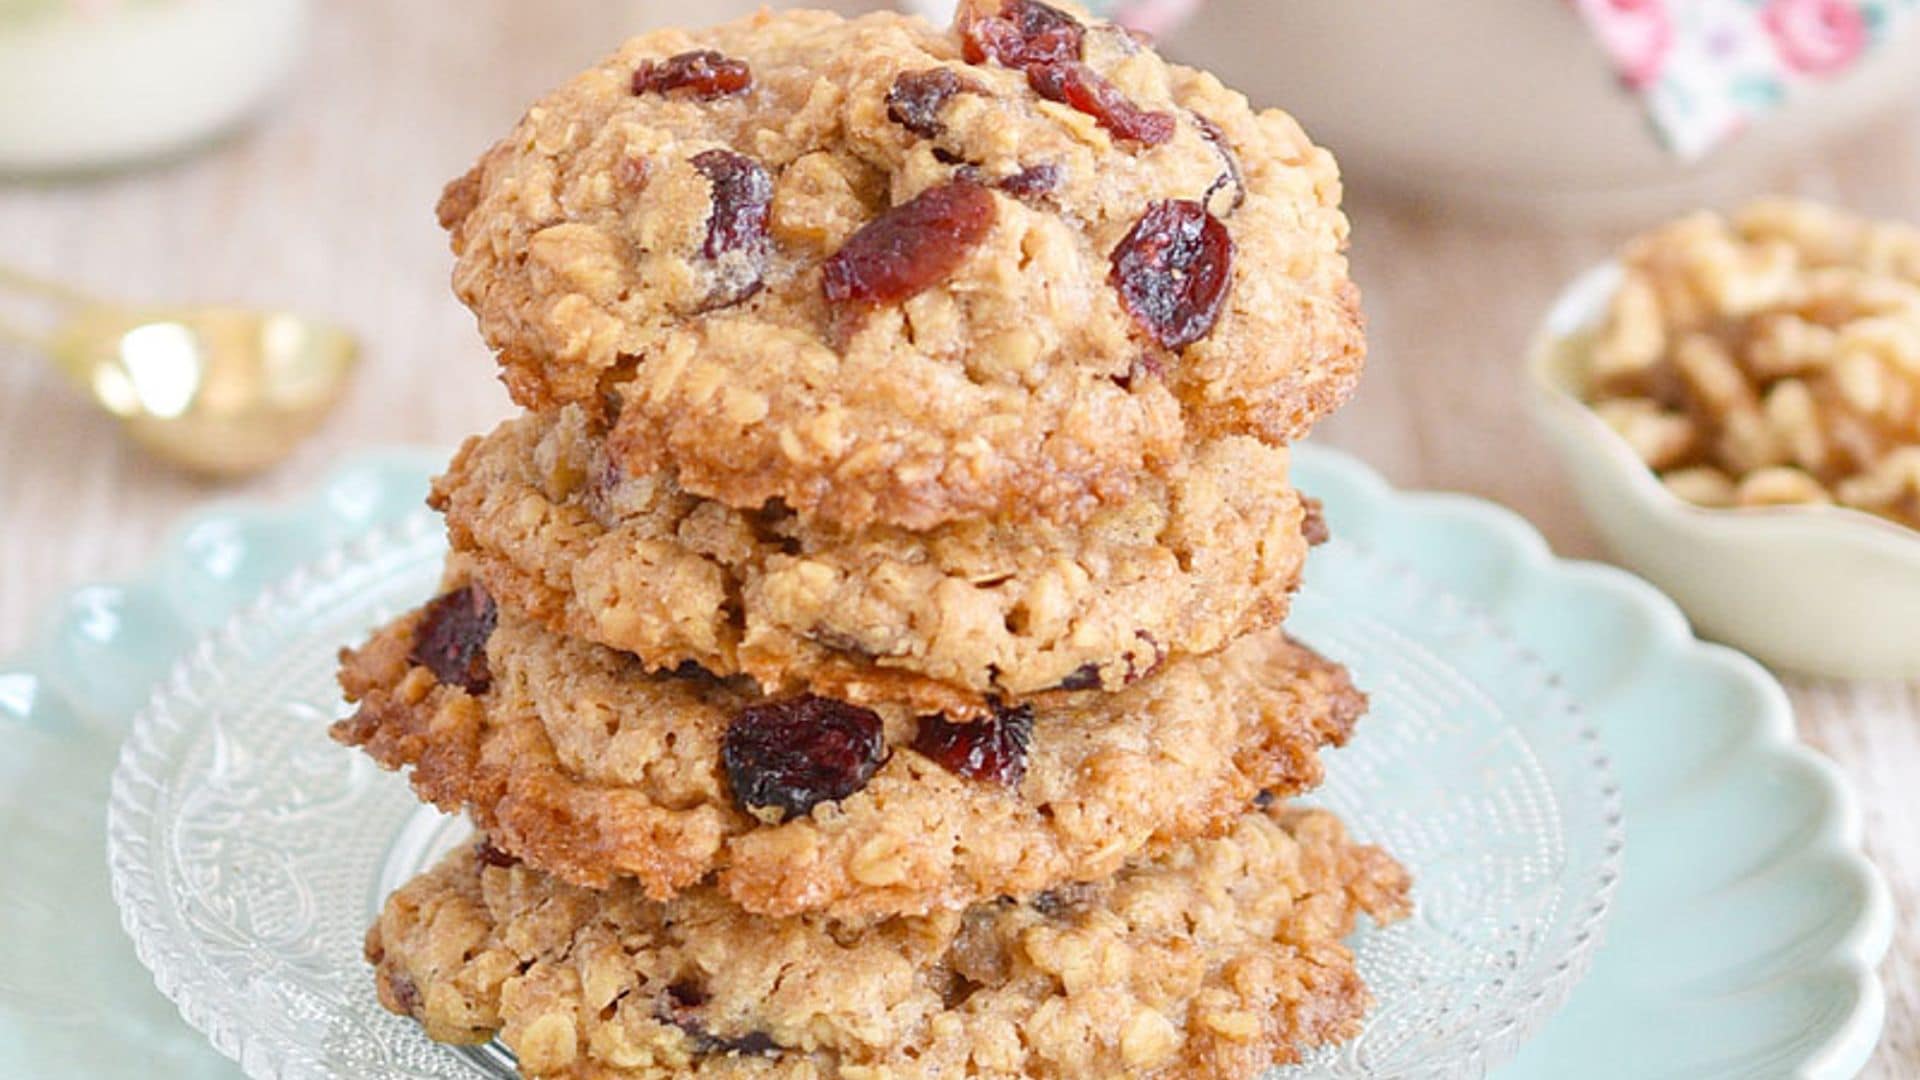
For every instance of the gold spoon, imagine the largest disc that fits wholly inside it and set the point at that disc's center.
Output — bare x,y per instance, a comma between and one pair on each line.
217,390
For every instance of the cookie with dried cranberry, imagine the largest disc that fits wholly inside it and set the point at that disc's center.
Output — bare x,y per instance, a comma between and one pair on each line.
882,273
1217,958
935,620
578,760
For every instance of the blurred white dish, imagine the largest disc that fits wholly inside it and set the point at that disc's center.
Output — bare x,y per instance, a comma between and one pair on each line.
1818,589
1501,103
94,87
1498,104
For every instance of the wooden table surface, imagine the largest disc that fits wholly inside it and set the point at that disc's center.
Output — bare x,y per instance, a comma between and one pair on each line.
327,206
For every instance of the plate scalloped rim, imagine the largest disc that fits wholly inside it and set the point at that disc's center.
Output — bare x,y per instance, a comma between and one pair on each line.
1842,1050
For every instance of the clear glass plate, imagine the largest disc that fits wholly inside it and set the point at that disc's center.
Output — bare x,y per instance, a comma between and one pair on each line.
249,852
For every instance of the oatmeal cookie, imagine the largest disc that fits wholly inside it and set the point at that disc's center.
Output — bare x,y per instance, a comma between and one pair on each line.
932,620
576,759
1218,959
890,274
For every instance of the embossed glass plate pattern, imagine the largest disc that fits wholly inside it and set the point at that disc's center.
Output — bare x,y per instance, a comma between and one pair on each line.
1743,937
249,852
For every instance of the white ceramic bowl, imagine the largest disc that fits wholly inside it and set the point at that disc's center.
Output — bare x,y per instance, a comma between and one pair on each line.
112,84
1818,589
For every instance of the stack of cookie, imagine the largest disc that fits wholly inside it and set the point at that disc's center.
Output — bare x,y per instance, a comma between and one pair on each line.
863,657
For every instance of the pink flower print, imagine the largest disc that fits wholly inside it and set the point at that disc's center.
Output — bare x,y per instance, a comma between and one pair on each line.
1637,34
1155,18
1816,37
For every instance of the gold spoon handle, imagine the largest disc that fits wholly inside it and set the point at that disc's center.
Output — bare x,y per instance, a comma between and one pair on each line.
15,280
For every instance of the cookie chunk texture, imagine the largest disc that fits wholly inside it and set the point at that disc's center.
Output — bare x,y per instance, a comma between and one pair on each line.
1217,958
554,527
582,763
882,273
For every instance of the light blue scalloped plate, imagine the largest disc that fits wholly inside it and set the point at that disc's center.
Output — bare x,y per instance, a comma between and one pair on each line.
1742,941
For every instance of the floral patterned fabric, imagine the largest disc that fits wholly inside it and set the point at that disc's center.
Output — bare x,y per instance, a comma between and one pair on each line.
1156,17
1706,69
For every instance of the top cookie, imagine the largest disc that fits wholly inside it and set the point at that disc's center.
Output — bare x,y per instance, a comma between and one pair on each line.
888,274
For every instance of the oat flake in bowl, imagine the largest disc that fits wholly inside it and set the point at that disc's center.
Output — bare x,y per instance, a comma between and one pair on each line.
1738,403
1770,359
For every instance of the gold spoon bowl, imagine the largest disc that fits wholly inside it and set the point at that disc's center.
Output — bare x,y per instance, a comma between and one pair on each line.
220,391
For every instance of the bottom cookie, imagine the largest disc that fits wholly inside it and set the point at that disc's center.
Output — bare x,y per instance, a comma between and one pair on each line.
1218,958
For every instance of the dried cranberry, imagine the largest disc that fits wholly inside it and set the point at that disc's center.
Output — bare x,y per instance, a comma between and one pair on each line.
1027,184
1084,677
1136,670
752,1044
1172,270
994,748
1313,522
1045,42
1025,32
703,73
1032,181
493,856
1078,86
792,755
1218,140
680,1008
686,994
452,639
405,994
916,98
911,247
742,192
1065,898
691,671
